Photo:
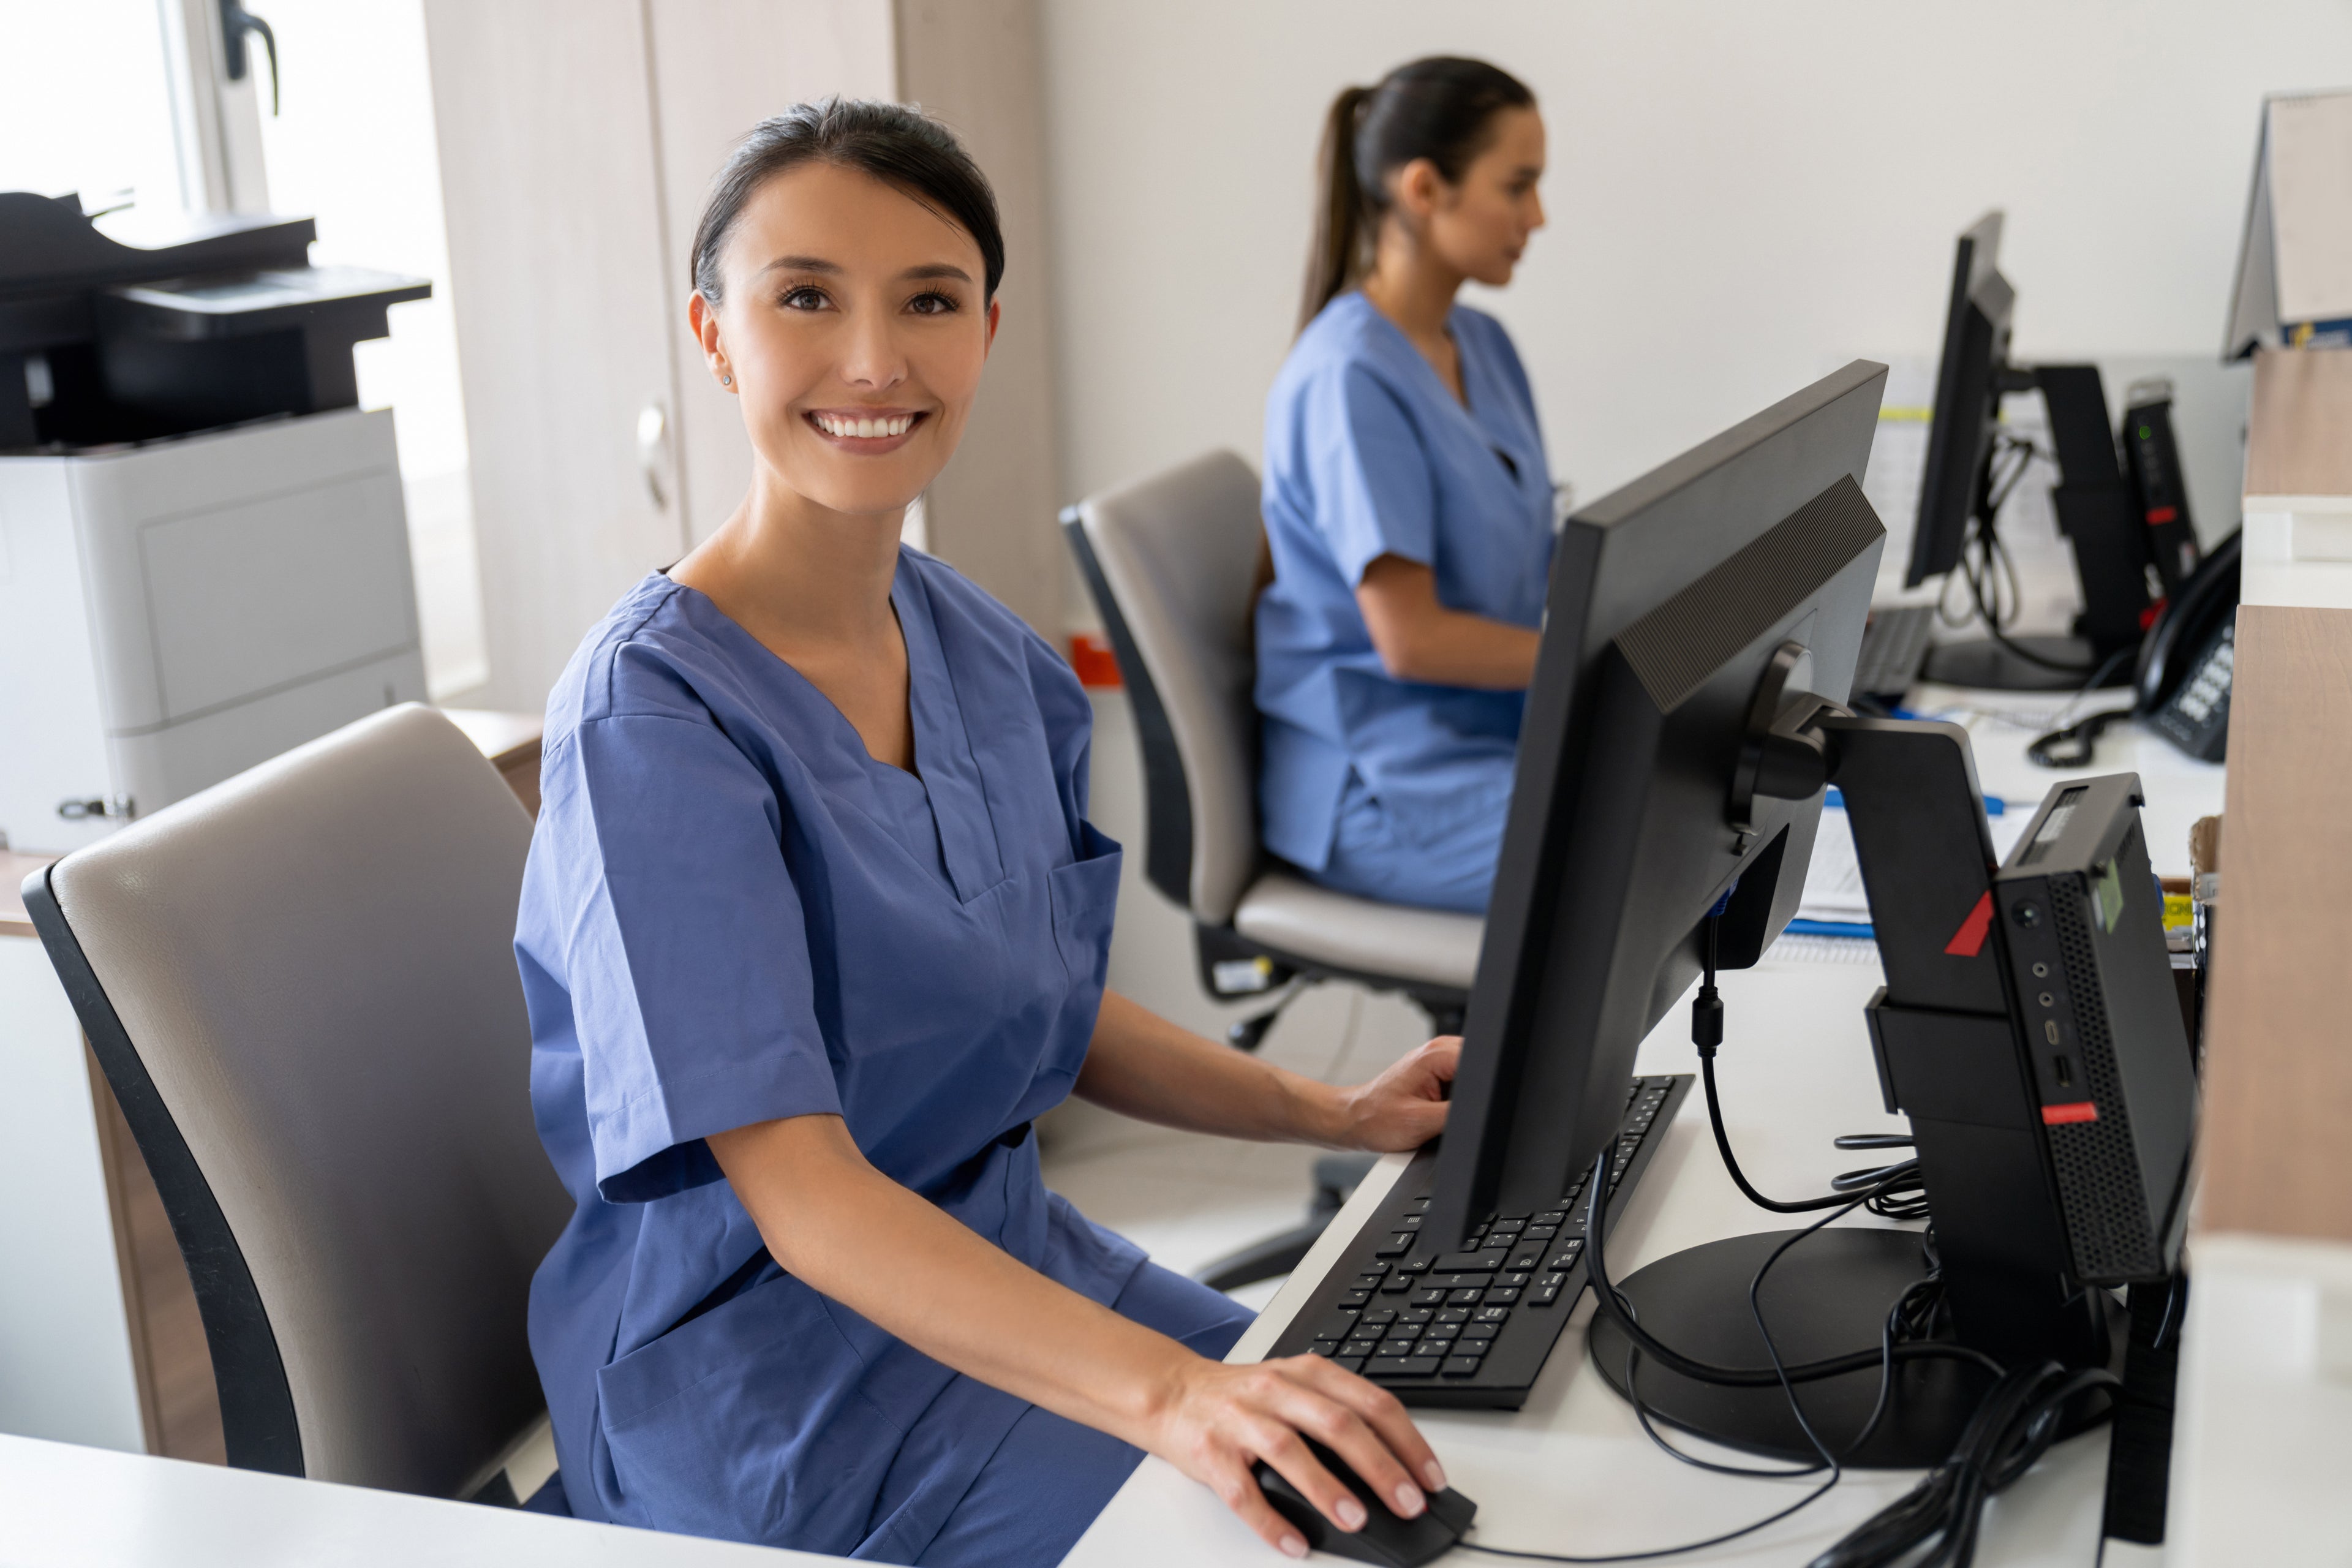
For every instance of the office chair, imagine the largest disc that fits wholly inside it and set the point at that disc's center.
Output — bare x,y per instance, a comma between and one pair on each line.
301,985
1171,561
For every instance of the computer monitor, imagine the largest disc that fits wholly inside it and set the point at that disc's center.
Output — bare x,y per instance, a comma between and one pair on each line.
1667,602
1701,629
2095,508
1967,402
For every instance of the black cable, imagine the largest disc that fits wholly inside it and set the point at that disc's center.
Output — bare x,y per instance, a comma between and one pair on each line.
1596,1270
1706,1033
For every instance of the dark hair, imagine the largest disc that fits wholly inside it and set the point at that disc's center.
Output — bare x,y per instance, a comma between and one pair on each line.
1440,108
897,145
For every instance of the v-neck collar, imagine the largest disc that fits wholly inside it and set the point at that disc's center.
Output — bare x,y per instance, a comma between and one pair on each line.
945,774
943,748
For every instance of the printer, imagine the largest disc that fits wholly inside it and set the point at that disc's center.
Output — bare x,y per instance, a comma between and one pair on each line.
204,552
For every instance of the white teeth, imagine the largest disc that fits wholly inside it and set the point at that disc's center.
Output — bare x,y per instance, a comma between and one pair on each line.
865,429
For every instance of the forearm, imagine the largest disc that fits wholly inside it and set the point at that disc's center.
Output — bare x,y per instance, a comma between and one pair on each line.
833,1221
1449,647
1141,1065
1420,638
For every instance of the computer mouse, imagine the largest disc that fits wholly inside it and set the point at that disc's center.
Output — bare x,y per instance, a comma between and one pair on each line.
1385,1538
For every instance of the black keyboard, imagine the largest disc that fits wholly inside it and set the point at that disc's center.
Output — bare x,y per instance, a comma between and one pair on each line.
1471,1326
1894,650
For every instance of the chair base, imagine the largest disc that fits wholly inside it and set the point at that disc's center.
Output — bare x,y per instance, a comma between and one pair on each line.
1336,1176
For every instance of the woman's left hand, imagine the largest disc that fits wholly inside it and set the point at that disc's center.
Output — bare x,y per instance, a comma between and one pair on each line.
1402,1108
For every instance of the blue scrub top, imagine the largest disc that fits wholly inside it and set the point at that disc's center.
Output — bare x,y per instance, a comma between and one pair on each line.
1369,453
733,914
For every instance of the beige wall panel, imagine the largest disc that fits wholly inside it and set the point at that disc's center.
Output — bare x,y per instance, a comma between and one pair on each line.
550,178
976,64
719,68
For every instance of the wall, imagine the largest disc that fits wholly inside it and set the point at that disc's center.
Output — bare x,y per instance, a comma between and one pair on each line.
1741,196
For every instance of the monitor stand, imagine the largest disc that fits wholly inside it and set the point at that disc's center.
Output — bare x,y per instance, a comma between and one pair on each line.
1986,666
1951,1058
1827,1296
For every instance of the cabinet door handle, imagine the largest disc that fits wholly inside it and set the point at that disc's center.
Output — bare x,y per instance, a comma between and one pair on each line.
652,452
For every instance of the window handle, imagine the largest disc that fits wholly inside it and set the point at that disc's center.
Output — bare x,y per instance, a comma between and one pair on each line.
236,23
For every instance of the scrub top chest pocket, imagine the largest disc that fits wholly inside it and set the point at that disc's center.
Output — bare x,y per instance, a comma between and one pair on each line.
1085,900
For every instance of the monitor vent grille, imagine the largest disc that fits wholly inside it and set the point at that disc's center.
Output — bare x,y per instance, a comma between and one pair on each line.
1675,647
2107,1217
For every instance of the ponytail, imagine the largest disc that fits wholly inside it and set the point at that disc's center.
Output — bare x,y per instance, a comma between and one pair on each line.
1440,108
1335,259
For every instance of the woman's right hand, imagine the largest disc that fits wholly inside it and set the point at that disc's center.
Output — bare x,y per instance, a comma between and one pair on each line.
1218,1421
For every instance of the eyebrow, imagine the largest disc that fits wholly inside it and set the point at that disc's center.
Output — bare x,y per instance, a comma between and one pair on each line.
936,270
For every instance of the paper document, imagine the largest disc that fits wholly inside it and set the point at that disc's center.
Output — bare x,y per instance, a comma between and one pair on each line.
1833,892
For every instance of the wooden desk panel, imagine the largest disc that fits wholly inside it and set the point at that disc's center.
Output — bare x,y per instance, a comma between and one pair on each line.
2278,1028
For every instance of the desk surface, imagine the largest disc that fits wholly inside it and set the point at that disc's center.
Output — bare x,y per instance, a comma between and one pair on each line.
61,1503
1571,1472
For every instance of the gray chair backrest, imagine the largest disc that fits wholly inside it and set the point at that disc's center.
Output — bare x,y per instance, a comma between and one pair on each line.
1178,556
302,984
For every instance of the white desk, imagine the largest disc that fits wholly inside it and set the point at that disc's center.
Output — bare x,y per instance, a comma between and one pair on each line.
1571,1472
61,1503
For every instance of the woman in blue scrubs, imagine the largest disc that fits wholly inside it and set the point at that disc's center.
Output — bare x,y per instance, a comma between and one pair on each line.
814,925
1408,505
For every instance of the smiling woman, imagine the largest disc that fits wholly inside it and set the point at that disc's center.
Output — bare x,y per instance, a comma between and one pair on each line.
814,925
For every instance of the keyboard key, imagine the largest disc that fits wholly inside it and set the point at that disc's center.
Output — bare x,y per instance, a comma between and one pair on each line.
1457,1281
1454,1315
1409,1223
1470,1262
1367,1282
1414,1315
1491,1314
1401,1366
1414,1266
1525,1277
1354,1298
1522,1261
1551,1216
1460,1366
1375,1317
1359,1347
1502,1295
1419,1204
1337,1326
1394,1348
1475,1340
1429,1298
1398,1284
1466,1297
1507,1227
1438,1333
1548,1291
1352,1362
1325,1347
1375,1267
1510,1219
1539,1232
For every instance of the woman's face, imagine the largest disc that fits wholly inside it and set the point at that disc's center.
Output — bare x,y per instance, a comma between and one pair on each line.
1480,227
854,331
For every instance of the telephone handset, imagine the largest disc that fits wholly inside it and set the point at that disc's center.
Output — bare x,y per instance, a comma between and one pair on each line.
2183,682
2181,687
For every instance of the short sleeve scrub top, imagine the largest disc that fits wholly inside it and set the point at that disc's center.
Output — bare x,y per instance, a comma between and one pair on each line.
1391,789
733,914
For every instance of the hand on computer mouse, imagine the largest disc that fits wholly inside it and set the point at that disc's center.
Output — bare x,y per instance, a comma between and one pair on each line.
1219,1421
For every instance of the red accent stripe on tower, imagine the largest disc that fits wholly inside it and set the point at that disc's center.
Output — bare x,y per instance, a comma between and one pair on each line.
2159,515
2059,1115
1969,940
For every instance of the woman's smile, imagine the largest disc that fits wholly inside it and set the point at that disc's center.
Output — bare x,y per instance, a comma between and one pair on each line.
865,431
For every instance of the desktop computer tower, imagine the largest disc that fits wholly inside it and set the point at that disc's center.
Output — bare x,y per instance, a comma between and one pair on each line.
2082,918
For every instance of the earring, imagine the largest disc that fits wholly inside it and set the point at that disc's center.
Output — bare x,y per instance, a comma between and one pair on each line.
726,381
